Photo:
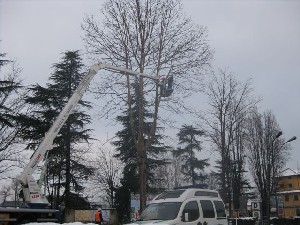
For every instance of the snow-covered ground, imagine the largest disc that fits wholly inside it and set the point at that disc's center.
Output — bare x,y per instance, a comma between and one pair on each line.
50,223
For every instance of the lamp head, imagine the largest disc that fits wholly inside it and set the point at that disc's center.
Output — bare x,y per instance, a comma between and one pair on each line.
292,139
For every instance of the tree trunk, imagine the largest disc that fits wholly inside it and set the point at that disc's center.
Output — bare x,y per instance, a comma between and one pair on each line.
142,176
68,167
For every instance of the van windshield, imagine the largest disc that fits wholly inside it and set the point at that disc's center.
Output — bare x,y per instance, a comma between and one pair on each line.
161,211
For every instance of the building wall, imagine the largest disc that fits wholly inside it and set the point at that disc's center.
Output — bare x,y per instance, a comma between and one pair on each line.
110,216
290,185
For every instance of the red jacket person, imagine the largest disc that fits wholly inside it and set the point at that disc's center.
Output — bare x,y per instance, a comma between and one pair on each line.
98,216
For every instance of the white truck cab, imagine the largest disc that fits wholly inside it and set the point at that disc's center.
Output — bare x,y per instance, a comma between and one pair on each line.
192,206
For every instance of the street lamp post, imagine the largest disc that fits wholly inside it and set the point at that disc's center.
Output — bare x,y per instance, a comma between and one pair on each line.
233,170
275,185
270,175
273,175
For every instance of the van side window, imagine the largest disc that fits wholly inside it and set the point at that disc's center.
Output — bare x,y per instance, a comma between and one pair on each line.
206,193
220,209
192,209
207,208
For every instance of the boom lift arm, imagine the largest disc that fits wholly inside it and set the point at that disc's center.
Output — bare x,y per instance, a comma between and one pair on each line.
31,191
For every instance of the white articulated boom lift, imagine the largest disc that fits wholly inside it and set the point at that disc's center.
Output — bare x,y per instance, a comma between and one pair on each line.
32,193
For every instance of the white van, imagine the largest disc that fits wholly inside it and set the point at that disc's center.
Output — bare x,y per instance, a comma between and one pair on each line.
185,207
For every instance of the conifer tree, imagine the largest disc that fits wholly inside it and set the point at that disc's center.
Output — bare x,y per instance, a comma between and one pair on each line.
192,166
64,167
11,104
127,153
7,86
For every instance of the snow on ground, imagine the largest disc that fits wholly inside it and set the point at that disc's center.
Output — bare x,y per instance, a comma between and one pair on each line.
51,223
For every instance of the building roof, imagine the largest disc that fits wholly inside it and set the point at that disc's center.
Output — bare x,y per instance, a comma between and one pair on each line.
289,172
289,192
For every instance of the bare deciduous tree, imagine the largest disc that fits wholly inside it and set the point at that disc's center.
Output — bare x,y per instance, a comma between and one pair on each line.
230,102
152,37
5,192
9,191
169,174
267,154
108,174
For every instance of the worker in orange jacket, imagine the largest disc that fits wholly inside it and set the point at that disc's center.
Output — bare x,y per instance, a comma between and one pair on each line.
98,216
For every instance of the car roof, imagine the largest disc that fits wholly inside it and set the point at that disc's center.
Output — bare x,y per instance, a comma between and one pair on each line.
181,195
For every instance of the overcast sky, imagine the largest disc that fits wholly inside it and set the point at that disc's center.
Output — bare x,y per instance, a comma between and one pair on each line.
253,39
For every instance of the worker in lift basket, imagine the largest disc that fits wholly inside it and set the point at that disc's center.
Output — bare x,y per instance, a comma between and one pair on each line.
98,216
